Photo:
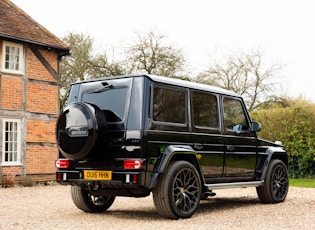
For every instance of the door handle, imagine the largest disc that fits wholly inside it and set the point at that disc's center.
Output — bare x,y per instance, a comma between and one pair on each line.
198,146
230,147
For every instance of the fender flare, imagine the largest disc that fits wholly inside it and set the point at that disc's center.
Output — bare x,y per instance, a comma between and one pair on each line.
165,159
274,153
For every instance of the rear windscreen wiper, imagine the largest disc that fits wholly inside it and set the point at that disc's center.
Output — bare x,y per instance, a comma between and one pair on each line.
105,87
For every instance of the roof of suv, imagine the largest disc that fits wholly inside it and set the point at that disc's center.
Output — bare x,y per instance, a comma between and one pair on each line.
172,81
191,84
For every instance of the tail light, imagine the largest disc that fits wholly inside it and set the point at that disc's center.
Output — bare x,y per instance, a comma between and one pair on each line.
133,164
63,163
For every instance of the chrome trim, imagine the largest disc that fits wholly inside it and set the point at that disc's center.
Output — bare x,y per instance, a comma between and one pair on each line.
235,185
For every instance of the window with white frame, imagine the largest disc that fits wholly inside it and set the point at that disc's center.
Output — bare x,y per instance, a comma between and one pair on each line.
11,143
12,57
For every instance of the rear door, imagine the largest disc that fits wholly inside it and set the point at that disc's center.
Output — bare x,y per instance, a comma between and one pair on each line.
207,136
239,142
168,123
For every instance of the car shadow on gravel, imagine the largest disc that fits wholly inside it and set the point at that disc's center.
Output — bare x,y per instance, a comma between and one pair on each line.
132,214
210,205
220,204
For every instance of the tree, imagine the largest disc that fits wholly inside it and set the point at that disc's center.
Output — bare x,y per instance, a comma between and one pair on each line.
84,64
246,74
101,66
75,66
151,55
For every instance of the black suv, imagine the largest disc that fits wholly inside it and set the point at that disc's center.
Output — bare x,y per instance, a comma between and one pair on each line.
133,135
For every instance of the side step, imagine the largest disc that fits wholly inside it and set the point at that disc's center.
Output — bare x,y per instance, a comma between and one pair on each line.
235,185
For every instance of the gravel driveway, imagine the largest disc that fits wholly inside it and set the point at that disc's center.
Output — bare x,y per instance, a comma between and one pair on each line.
51,207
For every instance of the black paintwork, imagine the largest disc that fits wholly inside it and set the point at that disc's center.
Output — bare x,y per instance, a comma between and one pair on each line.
219,154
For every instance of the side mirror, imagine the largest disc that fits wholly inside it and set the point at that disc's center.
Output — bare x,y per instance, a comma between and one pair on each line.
255,127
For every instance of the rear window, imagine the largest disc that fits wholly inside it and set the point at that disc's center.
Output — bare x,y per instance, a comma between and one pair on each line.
111,98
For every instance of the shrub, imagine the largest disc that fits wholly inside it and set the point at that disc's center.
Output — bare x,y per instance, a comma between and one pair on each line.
27,181
8,180
294,126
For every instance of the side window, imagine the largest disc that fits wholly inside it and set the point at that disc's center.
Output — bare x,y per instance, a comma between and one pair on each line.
205,109
169,105
12,57
234,116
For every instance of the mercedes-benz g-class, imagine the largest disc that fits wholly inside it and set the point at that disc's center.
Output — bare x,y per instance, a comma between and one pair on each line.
180,140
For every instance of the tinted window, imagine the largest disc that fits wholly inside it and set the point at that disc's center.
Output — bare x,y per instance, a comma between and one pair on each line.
205,109
234,116
112,102
169,105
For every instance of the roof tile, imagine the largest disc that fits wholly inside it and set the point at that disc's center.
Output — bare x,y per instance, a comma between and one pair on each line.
16,24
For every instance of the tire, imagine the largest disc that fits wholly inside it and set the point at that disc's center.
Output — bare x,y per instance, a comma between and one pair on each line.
89,203
178,191
276,186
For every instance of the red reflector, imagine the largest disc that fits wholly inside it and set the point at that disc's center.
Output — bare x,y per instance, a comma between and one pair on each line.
58,176
134,178
62,163
133,164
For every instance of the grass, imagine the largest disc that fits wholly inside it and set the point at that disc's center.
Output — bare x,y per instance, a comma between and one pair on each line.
306,183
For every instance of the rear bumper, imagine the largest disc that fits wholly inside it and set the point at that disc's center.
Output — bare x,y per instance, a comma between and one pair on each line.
130,183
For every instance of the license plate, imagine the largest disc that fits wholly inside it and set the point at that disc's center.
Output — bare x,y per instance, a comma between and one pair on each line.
97,175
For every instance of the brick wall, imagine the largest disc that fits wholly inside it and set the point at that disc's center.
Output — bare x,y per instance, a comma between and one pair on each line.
36,71
42,98
40,131
13,169
11,92
40,159
33,98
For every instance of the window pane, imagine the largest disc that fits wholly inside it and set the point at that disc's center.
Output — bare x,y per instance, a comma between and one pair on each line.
205,110
234,117
11,141
16,58
169,105
7,61
12,58
112,102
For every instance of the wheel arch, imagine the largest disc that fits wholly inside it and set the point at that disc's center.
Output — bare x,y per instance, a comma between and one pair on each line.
175,153
281,156
274,153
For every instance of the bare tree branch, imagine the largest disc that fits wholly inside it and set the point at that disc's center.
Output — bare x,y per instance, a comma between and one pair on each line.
246,75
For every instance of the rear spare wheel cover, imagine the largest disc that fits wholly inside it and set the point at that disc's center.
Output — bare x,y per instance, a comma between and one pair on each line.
76,130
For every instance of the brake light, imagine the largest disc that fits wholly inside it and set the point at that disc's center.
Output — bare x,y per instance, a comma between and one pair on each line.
133,164
62,163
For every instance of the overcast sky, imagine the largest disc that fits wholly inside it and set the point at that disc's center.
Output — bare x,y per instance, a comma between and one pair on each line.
204,29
